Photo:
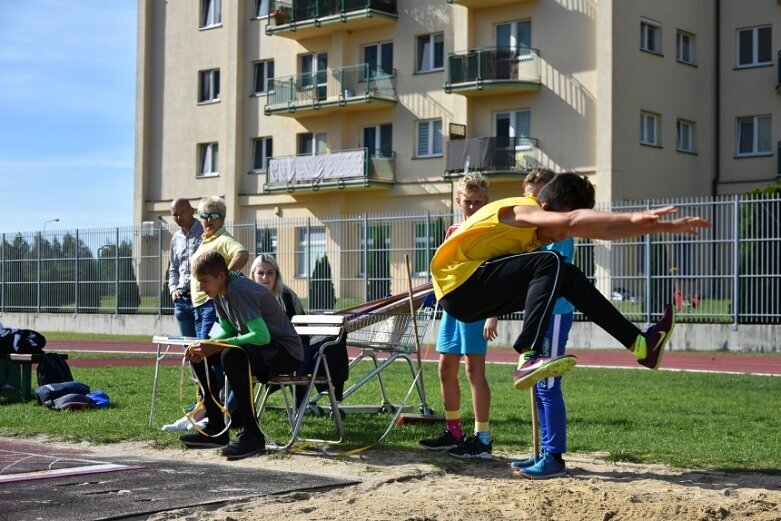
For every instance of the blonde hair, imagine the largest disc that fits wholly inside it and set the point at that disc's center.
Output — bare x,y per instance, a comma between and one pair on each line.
539,175
213,202
279,284
472,182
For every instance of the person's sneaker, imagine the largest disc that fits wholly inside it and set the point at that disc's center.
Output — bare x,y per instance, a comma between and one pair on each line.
526,463
649,348
197,440
201,424
445,441
546,468
247,445
533,368
473,448
182,424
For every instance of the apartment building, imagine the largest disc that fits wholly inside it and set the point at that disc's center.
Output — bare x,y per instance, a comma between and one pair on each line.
297,108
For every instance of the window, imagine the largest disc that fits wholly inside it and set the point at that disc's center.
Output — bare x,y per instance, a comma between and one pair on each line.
264,73
379,58
377,246
262,150
261,8
428,237
684,48
211,12
515,36
754,136
312,144
311,247
649,129
207,159
431,53
651,36
378,140
684,136
754,47
266,240
429,138
209,86
314,72
512,128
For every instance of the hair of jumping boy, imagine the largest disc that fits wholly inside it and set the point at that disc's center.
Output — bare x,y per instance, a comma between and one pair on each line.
566,192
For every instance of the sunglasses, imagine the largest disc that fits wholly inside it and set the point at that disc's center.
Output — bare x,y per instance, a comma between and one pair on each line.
207,216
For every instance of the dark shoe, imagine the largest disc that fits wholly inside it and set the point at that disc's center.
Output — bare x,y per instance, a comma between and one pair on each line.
444,441
211,440
546,468
526,463
473,448
655,340
247,445
533,368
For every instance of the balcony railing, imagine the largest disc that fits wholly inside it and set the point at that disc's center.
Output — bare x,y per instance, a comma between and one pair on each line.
306,18
494,69
491,155
778,85
332,88
479,4
341,169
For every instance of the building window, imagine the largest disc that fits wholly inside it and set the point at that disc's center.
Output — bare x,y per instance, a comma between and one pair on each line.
312,144
261,8
651,36
262,150
378,140
649,129
311,247
207,159
264,73
754,47
684,51
429,138
431,53
754,136
514,36
314,73
512,128
266,240
209,86
211,12
684,136
379,58
428,237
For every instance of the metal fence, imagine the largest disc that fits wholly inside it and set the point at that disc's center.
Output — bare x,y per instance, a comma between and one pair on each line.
729,274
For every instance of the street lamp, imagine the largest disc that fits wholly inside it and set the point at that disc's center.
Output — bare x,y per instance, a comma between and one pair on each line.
50,221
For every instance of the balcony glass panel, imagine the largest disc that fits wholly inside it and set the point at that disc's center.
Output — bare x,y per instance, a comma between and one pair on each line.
491,64
492,155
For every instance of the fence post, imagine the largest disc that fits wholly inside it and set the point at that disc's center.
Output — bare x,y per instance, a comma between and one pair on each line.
38,277
429,241
365,254
648,276
116,272
76,275
2,275
735,261
160,278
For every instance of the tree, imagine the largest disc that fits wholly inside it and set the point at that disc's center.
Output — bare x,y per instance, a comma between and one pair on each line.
321,287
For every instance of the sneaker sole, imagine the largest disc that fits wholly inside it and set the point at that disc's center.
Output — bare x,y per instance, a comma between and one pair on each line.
443,447
482,456
520,465
234,457
554,368
561,474
203,445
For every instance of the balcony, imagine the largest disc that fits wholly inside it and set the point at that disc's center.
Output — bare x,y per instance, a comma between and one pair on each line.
298,19
481,4
492,156
339,170
492,71
323,92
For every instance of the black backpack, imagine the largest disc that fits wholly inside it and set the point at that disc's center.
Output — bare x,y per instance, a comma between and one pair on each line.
53,369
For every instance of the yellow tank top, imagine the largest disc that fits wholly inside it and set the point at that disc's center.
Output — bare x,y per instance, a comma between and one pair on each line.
480,238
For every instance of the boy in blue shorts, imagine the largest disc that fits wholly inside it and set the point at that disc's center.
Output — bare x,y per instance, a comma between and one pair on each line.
470,340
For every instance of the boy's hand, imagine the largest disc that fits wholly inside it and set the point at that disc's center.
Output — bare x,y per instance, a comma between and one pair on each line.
198,351
490,329
650,219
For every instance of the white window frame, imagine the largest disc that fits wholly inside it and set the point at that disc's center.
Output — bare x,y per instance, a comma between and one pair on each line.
378,47
647,118
756,128
754,47
684,42
264,66
316,248
684,135
266,145
425,61
514,130
209,86
208,160
211,13
261,8
319,143
516,45
377,131
649,28
433,144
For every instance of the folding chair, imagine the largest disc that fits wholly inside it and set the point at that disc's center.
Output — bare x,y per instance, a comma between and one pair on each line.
332,328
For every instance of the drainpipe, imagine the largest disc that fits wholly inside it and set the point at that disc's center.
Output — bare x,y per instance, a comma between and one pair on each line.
717,126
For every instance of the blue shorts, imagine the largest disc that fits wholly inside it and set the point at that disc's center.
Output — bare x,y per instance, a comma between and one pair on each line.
461,338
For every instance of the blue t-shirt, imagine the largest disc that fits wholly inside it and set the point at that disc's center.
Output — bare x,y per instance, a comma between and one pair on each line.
567,250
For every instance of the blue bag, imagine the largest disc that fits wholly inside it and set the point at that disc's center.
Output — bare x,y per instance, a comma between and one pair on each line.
99,399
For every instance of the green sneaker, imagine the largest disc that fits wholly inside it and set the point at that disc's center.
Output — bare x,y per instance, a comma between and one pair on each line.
533,368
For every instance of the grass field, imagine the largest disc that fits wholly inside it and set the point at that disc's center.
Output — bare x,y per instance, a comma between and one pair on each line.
725,422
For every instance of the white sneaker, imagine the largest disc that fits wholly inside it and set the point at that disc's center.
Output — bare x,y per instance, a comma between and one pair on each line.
182,424
201,424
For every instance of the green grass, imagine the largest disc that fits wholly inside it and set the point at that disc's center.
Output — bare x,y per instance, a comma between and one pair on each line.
724,422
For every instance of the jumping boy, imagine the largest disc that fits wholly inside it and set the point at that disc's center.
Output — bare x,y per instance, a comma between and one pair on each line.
489,267
250,318
457,339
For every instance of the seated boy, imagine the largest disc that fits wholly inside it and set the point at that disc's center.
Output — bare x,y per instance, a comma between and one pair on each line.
251,319
489,267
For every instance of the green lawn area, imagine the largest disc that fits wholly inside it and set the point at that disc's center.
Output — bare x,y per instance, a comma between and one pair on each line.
723,422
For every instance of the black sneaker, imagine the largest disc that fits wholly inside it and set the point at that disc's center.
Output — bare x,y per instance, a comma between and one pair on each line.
247,445
444,441
473,448
197,440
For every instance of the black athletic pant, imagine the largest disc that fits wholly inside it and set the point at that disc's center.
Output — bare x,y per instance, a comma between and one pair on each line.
266,362
532,282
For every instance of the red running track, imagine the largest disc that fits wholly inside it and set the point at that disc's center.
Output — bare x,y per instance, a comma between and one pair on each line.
689,361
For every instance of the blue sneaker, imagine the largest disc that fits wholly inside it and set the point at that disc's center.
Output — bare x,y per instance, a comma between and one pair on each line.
546,468
526,463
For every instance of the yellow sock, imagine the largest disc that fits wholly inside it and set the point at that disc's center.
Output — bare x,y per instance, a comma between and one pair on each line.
481,426
640,349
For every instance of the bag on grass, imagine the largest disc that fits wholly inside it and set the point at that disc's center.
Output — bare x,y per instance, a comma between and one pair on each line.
99,399
21,341
53,369
71,401
46,394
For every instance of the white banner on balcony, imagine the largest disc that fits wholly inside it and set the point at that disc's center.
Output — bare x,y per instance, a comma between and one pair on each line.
302,169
